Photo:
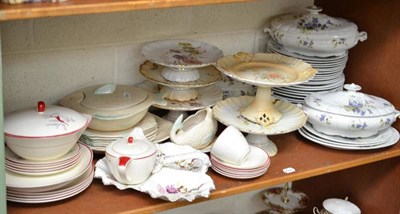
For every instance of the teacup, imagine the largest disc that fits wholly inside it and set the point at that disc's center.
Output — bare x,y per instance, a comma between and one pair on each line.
231,146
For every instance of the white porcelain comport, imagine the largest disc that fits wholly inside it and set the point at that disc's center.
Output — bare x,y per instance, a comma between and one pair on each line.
349,113
198,130
131,159
45,132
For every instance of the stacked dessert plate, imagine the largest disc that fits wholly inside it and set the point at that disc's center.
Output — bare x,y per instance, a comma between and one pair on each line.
58,181
384,138
330,75
154,128
255,165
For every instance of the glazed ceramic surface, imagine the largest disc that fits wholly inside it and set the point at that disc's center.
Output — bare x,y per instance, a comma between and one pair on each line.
352,144
231,146
181,53
266,70
197,130
44,134
73,188
131,159
207,96
177,180
315,34
228,113
208,75
337,205
349,113
29,184
285,201
113,107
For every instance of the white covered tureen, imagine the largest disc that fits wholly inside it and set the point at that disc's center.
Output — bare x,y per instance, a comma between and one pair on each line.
349,113
315,34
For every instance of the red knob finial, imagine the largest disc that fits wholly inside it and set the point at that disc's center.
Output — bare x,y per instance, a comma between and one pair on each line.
130,139
41,106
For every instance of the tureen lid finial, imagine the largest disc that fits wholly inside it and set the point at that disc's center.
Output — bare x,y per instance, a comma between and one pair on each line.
41,107
314,9
130,139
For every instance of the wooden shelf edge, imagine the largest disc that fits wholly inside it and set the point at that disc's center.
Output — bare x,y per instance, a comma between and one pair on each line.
81,7
269,182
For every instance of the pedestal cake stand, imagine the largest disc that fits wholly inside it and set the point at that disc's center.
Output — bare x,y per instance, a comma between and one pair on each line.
184,70
263,114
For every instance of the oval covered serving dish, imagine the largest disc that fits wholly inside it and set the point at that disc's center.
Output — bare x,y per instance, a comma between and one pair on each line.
113,107
44,132
349,113
315,34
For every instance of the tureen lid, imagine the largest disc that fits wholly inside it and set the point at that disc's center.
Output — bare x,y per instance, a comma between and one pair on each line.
336,205
349,102
314,23
135,145
109,100
44,121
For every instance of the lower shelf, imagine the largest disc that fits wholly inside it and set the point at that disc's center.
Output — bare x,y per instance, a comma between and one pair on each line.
308,159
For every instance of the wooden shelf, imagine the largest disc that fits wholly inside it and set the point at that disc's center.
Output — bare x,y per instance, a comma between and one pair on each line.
78,7
308,159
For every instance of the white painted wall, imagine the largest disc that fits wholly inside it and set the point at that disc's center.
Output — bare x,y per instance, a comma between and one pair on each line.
48,58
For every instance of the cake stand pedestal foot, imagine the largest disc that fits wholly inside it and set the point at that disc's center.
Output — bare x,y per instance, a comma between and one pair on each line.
262,141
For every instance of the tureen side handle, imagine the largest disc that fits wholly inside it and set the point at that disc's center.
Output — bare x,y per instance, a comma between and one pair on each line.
362,36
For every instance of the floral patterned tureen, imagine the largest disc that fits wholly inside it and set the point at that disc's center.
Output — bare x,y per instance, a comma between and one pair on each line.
315,34
349,113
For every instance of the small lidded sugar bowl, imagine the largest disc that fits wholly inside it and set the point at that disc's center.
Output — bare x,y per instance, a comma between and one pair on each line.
131,159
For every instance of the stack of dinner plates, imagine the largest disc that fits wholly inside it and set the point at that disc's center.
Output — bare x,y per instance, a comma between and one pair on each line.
154,128
384,138
29,181
330,76
255,165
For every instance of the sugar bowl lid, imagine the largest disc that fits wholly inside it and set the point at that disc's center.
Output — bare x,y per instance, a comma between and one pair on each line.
314,23
349,102
337,205
135,145
44,121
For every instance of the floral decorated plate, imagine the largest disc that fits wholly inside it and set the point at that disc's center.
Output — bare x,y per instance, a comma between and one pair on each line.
177,180
181,53
266,70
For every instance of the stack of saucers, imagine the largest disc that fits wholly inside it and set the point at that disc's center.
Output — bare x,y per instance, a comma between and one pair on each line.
330,76
233,157
33,181
154,128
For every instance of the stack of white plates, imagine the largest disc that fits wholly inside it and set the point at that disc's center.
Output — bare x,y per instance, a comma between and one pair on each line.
154,128
255,165
384,138
31,186
330,75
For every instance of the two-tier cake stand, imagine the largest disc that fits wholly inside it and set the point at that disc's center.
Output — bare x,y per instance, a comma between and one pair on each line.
262,115
184,70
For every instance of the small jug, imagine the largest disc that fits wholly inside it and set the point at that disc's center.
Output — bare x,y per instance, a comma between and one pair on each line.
131,159
198,130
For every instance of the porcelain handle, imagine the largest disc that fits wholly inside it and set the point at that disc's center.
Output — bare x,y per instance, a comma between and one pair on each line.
397,113
362,36
123,163
316,210
106,89
267,30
